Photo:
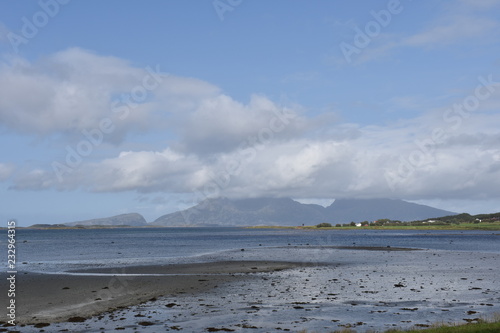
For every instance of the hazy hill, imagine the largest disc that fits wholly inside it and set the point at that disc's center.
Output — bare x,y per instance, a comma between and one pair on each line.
257,211
132,219
285,211
358,210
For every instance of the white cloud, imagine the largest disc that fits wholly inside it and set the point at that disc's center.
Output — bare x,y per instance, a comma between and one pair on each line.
142,171
75,90
179,95
145,172
380,162
221,124
68,91
261,148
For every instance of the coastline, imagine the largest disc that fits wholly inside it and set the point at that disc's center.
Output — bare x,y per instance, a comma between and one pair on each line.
459,227
58,297
334,287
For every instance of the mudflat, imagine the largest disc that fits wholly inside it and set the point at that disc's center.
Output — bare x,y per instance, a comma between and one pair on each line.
327,288
50,298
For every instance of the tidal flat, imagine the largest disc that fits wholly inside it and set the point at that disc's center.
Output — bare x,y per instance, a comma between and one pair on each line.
261,290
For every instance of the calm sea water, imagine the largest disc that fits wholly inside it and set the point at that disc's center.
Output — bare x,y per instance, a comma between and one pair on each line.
55,250
443,285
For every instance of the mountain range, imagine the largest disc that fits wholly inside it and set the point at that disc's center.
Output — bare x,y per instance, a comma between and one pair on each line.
285,211
277,211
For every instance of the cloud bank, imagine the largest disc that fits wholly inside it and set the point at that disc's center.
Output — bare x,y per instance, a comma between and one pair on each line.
214,145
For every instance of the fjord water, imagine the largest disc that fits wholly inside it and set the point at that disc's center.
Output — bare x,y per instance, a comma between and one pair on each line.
61,249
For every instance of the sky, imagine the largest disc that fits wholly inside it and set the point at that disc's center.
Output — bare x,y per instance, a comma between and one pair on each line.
113,107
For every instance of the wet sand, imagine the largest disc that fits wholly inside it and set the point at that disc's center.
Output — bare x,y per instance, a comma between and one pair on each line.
50,298
328,288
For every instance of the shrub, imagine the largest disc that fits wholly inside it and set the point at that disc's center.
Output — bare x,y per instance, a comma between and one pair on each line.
324,225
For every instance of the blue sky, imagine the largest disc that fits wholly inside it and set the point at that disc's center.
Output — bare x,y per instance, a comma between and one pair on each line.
110,107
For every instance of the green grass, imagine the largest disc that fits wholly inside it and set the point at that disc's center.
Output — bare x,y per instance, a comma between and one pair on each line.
489,325
468,328
482,327
462,226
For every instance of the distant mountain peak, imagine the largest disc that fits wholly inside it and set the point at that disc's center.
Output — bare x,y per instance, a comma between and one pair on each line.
285,211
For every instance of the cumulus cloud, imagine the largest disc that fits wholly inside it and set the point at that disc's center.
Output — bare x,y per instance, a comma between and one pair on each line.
380,162
223,147
221,124
74,90
68,91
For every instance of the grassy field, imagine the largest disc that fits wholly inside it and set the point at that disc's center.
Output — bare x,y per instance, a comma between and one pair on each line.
463,226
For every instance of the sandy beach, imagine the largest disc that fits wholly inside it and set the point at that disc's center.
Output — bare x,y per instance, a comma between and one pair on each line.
51,298
363,288
56,297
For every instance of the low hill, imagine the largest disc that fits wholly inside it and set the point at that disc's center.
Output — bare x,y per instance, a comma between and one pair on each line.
358,210
48,226
132,219
467,218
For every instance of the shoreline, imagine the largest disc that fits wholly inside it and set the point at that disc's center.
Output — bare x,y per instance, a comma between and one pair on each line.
495,226
463,227
58,297
365,288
